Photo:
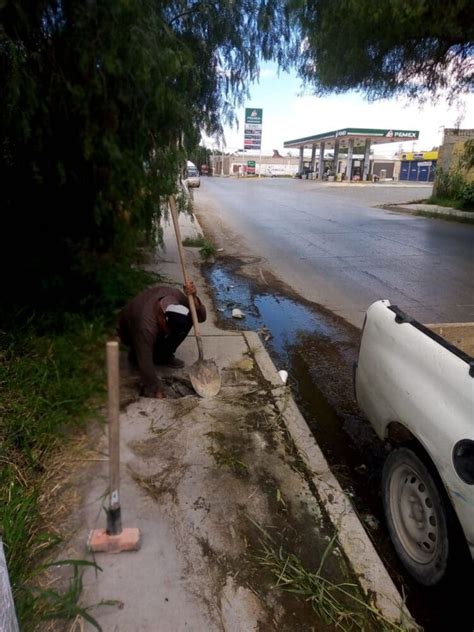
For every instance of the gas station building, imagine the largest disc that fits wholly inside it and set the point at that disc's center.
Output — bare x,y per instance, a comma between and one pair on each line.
345,143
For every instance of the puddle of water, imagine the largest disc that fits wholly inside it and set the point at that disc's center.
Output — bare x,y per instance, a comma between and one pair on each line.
284,317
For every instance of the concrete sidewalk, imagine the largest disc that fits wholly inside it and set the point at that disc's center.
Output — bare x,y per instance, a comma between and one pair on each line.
222,491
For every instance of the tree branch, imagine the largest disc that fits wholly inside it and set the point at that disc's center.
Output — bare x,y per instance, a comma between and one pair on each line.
193,9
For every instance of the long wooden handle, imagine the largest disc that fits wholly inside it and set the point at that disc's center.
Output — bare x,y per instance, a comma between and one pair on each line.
113,419
192,304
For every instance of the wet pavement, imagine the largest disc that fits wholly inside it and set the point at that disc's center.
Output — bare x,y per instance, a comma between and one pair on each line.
317,349
333,248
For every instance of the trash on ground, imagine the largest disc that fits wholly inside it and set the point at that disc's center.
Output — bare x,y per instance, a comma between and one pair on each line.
236,313
283,375
371,521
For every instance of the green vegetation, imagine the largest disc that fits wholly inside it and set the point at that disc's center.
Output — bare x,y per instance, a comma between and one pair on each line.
415,48
51,382
452,189
341,605
194,242
446,201
207,249
93,136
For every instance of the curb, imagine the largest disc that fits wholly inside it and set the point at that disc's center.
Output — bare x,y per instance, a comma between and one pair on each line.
428,210
373,576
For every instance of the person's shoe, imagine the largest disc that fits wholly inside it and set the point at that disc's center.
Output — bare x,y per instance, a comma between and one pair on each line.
174,363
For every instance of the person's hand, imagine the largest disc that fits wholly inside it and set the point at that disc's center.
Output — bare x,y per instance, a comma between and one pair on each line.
160,394
190,289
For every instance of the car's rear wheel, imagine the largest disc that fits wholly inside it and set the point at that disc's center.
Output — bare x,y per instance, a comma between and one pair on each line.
417,512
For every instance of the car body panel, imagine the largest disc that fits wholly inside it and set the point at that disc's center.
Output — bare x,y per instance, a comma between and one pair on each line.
405,376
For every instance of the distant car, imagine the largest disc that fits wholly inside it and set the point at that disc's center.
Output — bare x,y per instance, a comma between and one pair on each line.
192,178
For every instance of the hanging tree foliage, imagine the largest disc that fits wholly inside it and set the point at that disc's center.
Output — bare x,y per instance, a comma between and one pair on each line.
415,47
100,99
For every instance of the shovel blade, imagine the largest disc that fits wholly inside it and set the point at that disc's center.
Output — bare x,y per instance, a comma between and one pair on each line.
205,378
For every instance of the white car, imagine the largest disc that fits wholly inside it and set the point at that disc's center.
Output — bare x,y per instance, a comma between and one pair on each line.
191,176
415,384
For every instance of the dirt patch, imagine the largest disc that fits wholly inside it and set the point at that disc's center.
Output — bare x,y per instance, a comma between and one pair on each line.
163,483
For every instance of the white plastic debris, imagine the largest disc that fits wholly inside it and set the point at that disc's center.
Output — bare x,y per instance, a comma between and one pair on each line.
283,375
236,313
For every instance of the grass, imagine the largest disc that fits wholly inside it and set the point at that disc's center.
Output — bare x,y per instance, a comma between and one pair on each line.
341,605
207,249
450,203
51,384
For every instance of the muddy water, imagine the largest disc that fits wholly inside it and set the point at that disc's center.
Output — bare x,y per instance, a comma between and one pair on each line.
318,349
318,352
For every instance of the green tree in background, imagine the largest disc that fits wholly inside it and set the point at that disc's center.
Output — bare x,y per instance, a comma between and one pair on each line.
414,47
101,101
200,156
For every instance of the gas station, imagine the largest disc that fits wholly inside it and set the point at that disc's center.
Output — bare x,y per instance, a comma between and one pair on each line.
345,143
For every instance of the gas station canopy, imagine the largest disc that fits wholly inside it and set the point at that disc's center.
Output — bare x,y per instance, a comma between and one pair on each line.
348,140
357,134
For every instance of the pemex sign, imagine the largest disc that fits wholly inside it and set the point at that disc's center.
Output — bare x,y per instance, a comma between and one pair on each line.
253,128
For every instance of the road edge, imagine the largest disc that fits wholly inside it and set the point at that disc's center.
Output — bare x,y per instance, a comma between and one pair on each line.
354,540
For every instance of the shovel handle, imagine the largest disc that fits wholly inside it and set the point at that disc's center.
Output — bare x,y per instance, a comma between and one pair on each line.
192,304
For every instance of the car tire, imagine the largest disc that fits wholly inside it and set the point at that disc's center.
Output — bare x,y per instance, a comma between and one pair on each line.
418,514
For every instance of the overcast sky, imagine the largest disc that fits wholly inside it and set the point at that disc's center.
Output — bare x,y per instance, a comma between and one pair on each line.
288,114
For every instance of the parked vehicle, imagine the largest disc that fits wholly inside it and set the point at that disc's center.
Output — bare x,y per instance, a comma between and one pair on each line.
415,384
191,177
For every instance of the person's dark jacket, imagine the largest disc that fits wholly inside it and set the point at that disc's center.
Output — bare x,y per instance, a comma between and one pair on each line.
142,322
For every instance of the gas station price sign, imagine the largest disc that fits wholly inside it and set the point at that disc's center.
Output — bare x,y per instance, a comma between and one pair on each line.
253,128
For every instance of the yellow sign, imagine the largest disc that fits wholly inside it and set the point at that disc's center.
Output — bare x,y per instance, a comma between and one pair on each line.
418,155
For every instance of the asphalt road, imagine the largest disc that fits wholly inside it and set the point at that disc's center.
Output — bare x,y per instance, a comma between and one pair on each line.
329,243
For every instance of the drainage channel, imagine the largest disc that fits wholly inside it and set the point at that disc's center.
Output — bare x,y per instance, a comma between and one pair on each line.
318,349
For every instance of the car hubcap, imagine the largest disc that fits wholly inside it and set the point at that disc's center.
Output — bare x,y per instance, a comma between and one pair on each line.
414,515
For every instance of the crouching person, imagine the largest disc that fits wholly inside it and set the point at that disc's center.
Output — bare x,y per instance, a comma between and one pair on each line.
153,325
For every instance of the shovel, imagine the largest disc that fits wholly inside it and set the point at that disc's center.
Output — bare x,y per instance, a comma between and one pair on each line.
204,374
